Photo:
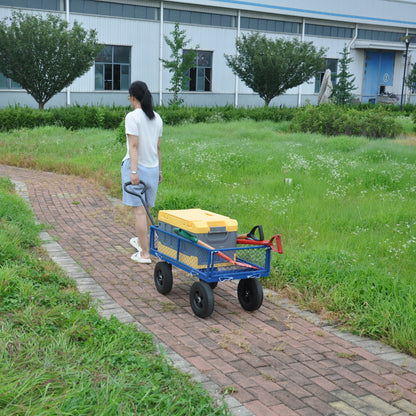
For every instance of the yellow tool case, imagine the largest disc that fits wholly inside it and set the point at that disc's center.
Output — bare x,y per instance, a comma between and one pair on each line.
214,229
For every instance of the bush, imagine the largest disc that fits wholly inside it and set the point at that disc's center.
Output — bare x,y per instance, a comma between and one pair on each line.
332,120
74,117
364,119
79,117
414,119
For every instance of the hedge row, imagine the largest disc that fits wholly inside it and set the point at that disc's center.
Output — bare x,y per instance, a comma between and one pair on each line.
78,117
332,120
75,117
368,120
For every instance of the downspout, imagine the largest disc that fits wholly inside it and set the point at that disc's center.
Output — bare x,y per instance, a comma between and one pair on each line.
302,38
349,50
236,77
68,89
160,53
353,39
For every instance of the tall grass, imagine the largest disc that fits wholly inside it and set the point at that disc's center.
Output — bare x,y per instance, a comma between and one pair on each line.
58,357
345,206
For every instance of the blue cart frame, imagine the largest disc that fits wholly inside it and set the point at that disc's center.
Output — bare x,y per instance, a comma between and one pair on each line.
249,289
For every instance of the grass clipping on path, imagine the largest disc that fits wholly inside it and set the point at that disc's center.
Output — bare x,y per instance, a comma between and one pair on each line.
57,356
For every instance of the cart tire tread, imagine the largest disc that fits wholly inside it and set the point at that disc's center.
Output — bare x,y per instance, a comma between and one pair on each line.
163,277
201,298
250,294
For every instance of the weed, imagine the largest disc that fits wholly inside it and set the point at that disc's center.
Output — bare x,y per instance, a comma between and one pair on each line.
229,390
269,377
347,355
168,307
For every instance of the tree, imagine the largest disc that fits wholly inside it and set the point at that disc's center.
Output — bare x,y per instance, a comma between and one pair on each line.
270,67
411,79
342,90
44,55
180,62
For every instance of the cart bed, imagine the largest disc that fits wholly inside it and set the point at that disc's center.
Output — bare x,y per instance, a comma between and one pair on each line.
258,256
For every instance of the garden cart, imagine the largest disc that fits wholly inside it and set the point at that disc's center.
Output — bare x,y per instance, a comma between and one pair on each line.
204,244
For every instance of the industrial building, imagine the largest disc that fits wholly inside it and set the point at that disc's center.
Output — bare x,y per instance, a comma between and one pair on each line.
133,31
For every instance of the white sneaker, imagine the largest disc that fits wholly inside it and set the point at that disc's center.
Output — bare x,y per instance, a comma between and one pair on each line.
137,257
135,243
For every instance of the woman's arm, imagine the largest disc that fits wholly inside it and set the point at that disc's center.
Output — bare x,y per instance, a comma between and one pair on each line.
133,142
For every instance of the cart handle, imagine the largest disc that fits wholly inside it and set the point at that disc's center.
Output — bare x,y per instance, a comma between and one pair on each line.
140,195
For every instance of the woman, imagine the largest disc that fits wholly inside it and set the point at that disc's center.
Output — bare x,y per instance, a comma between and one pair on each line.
142,162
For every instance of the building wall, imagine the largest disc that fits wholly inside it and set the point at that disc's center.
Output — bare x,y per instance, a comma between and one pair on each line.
144,38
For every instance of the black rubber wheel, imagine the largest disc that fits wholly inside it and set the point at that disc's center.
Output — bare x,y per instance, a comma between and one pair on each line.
163,277
250,294
201,298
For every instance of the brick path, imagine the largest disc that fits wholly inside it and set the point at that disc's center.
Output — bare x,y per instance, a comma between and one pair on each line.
275,361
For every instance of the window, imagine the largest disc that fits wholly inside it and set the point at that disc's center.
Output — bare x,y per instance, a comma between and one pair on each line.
35,4
328,31
106,8
331,64
280,26
201,75
380,35
198,18
112,68
8,84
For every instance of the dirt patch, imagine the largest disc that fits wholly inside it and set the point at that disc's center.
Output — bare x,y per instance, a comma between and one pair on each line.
409,139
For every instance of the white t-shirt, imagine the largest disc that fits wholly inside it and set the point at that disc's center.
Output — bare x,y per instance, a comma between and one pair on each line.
148,132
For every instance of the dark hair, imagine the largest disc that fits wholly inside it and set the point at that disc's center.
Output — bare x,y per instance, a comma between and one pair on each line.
139,90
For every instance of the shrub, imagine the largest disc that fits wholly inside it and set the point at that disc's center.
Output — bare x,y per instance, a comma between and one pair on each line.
334,120
74,117
414,119
324,119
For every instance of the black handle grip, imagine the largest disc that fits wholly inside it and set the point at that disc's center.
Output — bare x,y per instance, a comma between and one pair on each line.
252,233
132,192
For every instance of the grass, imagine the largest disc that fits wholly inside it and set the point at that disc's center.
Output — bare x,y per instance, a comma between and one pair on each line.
57,356
347,219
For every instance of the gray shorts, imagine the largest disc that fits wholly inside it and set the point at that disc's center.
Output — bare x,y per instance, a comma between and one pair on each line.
150,176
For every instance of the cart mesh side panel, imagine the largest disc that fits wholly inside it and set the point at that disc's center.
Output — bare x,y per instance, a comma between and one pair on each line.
215,268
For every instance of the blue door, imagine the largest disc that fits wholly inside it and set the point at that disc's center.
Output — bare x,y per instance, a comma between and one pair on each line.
378,74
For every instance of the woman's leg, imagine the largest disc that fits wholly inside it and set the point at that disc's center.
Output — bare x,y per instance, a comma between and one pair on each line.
142,230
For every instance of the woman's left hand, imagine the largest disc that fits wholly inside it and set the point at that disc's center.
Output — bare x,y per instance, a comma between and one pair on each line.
134,177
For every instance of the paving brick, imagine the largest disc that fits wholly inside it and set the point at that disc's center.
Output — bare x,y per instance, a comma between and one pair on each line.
266,398
267,382
349,375
378,391
346,409
282,410
377,404
288,399
309,412
296,389
324,383
259,408
408,407
374,378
